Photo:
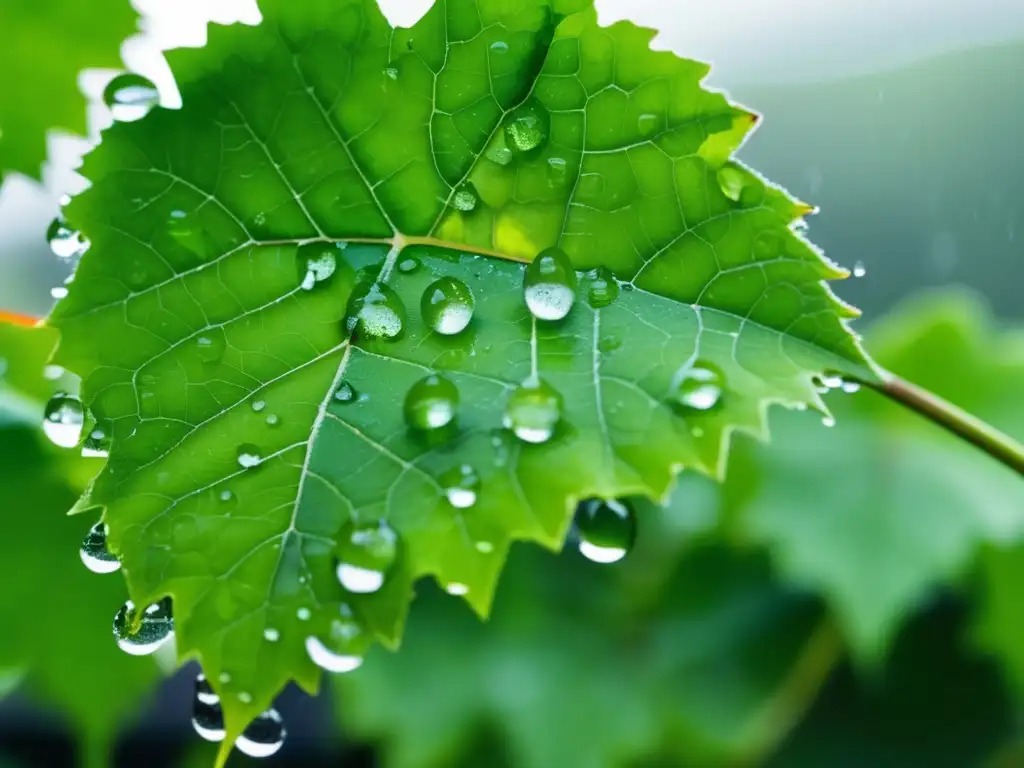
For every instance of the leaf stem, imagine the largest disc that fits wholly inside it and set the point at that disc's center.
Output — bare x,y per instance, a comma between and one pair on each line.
996,444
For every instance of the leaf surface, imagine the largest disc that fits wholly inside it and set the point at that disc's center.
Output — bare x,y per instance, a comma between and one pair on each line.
45,47
252,429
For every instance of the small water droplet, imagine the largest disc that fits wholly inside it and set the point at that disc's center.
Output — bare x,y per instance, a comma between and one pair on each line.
245,697
259,405
697,387
345,393
264,736
828,421
303,614
227,498
408,266
602,288
527,127
499,47
431,403
271,635
155,627
97,443
465,198
549,285
459,590
375,312
53,372
859,270
59,292
130,97
533,410
224,678
391,73
249,456
484,547
648,124
63,420
606,529
832,381
557,171
338,650
210,346
366,556
851,387
317,263
273,420
94,552
447,306
460,485
731,180
65,242
204,691
207,715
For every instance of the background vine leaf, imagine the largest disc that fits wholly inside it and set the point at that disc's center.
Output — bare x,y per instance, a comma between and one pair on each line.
45,47
260,257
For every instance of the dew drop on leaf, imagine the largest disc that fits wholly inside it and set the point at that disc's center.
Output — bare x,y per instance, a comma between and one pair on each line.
210,346
697,387
460,485
602,288
249,456
408,266
533,410
227,498
457,589
204,691
97,443
155,627
447,306
731,181
263,736
606,529
365,556
527,127
828,421
271,635
94,552
557,171
859,270
484,547
431,403
648,124
499,47
303,614
851,387
207,715
63,420
375,312
65,242
259,405
465,198
337,650
130,97
317,263
549,285
345,393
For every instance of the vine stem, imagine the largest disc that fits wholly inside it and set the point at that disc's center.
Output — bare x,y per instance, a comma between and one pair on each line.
996,444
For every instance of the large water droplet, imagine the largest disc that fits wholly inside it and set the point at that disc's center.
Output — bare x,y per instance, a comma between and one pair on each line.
207,715
249,456
130,97
697,387
317,263
606,529
63,420
533,410
549,285
431,402
366,556
156,626
461,485
465,198
527,127
602,288
94,552
65,242
375,312
345,393
338,650
447,306
263,736
97,443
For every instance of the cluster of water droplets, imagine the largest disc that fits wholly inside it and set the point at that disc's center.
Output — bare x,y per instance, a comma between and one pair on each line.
263,737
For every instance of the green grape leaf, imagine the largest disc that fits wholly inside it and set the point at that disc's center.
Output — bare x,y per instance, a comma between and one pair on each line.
877,512
56,614
999,624
249,320
574,670
46,45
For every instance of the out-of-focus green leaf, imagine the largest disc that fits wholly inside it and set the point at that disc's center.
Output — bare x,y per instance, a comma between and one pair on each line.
44,47
56,615
876,512
248,319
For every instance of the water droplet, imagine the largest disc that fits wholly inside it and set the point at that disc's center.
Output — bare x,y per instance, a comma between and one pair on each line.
731,180
828,421
259,405
549,285
317,263
155,627
249,456
130,97
59,292
859,270
484,547
375,312
606,529
459,590
227,497
263,736
338,650
65,242
207,715
53,372
391,73
303,614
832,381
210,346
63,420
602,288
272,419
204,691
460,486
557,171
94,552
533,410
431,402
97,443
408,266
527,127
465,198
345,393
697,387
245,697
851,387
648,124
447,306
224,678
271,635
499,47
365,556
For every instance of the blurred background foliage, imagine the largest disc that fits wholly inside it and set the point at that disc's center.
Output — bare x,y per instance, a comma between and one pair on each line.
849,597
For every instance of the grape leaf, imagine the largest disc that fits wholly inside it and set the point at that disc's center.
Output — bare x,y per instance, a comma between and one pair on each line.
238,242
46,45
879,511
999,624
56,615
